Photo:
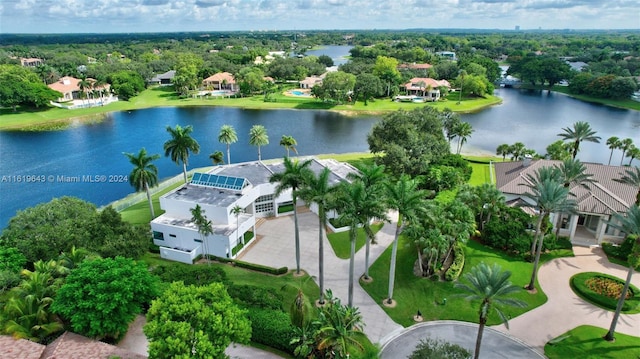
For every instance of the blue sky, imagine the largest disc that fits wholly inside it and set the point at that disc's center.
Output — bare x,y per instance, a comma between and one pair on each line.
62,16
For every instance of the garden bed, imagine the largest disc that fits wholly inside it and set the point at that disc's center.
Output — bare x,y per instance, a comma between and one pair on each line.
604,290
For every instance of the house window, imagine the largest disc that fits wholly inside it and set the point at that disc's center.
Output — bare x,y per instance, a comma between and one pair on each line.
172,235
264,204
158,235
197,240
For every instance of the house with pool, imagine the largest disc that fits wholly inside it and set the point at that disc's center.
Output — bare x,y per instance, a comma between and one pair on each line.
218,192
596,202
424,88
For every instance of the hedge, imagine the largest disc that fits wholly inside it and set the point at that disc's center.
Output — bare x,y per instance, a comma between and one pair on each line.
190,275
458,263
272,328
580,288
252,266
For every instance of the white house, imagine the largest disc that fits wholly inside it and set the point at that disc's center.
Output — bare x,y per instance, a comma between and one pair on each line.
218,192
595,204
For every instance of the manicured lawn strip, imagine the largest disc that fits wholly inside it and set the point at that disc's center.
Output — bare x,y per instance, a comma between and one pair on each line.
414,293
627,103
631,305
586,342
341,244
356,159
139,212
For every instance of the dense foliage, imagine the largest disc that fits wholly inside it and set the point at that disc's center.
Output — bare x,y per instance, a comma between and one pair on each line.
20,86
437,349
48,229
190,275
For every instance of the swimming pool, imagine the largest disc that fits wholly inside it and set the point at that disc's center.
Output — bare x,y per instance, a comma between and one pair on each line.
299,93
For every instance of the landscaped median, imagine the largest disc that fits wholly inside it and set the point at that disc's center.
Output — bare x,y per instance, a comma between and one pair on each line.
603,290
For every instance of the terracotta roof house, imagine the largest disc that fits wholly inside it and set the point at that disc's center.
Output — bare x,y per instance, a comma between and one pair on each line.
220,81
310,82
596,204
31,61
164,79
218,192
425,87
415,66
70,88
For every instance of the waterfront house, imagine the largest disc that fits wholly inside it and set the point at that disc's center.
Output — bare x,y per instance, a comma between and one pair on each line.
70,89
596,204
221,81
426,87
164,79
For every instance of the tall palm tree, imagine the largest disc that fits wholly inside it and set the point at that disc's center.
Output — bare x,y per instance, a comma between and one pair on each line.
633,153
581,131
227,136
549,196
205,228
517,151
631,177
350,203
573,171
373,179
320,192
237,211
338,326
404,197
450,121
503,150
614,143
625,145
489,285
629,224
258,137
294,178
144,174
179,146
463,131
217,158
84,85
289,143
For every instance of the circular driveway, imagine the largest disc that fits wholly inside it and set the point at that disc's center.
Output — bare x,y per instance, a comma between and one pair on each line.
495,344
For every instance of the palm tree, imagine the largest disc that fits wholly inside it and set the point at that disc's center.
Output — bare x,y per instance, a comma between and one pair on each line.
84,86
503,150
205,228
373,179
179,146
237,211
338,326
144,174
614,144
294,178
463,131
549,196
573,171
490,285
289,143
581,131
629,224
227,135
450,122
633,153
404,197
258,137
625,145
517,151
319,191
350,203
632,177
217,158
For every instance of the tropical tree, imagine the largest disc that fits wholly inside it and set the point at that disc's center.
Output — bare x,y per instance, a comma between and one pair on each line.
217,158
625,145
404,197
559,151
373,178
631,177
237,211
572,171
144,174
517,151
205,227
258,137
227,136
289,143
450,123
633,153
180,145
629,224
337,326
491,286
614,143
580,132
294,178
463,131
319,191
549,196
503,150
84,86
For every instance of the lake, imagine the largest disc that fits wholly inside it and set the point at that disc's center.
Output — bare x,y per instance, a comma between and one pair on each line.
89,151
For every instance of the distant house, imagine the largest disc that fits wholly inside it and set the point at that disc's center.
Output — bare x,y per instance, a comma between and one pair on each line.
596,203
450,55
164,79
310,81
70,88
221,81
218,191
425,87
415,66
31,61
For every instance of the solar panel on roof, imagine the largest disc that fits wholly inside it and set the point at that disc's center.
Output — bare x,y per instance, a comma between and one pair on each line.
215,181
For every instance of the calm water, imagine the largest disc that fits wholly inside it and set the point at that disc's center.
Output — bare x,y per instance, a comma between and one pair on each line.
337,53
533,118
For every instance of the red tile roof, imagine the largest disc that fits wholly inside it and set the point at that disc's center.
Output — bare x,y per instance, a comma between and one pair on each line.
11,348
220,77
415,83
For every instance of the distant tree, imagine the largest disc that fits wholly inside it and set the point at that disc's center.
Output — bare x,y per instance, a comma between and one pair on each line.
580,132
180,145
327,61
102,296
614,143
517,151
559,151
144,174
633,153
450,122
463,131
289,143
503,150
625,145
204,225
217,158
386,68
337,85
258,137
227,136
436,349
22,87
126,84
368,86
195,322
622,88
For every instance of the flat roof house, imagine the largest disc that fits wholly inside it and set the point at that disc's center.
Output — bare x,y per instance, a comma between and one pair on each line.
218,192
596,203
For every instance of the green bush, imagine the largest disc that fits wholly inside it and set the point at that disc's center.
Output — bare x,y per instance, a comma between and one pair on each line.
252,296
583,291
507,231
437,349
190,275
458,162
621,251
251,266
272,328
458,263
551,243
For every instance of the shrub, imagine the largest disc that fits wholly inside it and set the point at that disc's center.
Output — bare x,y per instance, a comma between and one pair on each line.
458,263
272,328
582,289
252,296
459,163
507,231
190,275
621,251
551,243
437,349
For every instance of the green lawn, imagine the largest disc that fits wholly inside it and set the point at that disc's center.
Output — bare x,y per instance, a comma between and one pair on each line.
627,103
586,342
139,212
414,293
341,244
